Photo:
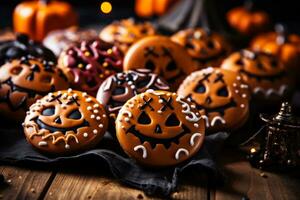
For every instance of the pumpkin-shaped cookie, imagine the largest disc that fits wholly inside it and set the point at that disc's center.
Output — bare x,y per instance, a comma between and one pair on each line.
221,95
88,63
23,46
65,122
24,81
264,73
125,32
162,56
281,44
206,48
247,20
159,128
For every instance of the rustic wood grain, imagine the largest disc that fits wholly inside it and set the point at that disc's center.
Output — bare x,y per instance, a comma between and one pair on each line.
82,186
243,181
23,183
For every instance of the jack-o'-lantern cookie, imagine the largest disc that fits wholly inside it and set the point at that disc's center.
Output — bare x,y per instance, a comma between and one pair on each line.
88,63
281,44
162,56
264,73
23,46
159,128
221,94
118,88
207,48
25,80
65,122
125,32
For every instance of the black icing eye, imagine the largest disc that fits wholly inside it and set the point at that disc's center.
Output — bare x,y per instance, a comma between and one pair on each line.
144,118
200,88
150,65
189,45
210,44
223,92
75,114
172,120
240,62
48,111
119,91
171,66
274,63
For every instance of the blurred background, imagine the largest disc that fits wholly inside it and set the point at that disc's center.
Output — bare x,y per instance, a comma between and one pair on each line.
285,11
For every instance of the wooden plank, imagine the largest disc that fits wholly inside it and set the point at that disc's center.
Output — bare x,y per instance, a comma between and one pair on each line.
90,186
24,183
243,181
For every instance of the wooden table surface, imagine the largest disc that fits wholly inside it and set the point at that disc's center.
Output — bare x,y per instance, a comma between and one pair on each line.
242,182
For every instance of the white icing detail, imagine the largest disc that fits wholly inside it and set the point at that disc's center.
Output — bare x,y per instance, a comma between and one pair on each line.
151,91
96,105
96,111
67,146
104,115
217,118
43,143
127,119
84,94
95,131
69,90
188,111
132,86
128,113
93,116
89,108
100,126
88,100
236,91
179,151
98,118
85,135
159,111
208,70
130,82
244,95
205,118
160,101
242,105
244,86
136,148
196,125
192,139
234,84
271,91
64,96
59,93
238,78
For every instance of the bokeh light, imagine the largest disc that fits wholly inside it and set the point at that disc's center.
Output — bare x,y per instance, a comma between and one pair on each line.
106,7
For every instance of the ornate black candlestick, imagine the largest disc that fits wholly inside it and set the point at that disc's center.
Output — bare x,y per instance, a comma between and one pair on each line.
281,147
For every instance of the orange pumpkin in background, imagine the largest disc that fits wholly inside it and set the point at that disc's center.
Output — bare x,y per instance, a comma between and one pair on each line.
281,44
248,21
37,18
148,8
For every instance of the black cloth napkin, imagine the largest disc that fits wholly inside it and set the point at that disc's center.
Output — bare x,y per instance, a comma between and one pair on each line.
15,149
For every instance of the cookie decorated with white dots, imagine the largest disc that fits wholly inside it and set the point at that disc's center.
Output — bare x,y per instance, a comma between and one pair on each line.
221,94
65,122
159,128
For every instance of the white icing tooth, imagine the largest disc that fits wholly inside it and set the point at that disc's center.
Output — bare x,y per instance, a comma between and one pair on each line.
85,135
95,131
43,143
192,139
180,151
144,150
196,125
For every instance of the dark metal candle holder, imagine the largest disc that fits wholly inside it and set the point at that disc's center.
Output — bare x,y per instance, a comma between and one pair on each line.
281,147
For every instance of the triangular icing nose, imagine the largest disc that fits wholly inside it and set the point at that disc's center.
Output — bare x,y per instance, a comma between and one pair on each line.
158,129
57,120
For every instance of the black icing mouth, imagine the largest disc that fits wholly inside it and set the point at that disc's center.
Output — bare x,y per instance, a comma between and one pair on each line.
271,78
154,141
52,129
220,109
